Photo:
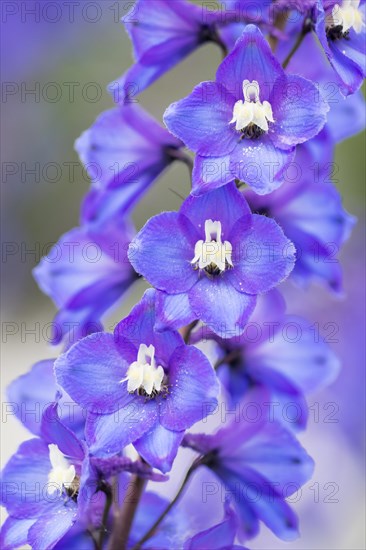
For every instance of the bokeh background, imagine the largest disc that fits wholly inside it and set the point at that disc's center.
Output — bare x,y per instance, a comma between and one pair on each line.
56,63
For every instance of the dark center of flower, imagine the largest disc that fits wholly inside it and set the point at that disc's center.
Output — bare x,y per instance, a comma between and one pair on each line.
336,33
251,132
210,460
343,17
72,490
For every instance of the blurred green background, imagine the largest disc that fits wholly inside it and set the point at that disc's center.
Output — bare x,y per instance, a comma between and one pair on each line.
36,211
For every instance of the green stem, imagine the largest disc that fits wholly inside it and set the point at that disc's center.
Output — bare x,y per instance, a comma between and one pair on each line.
152,530
124,516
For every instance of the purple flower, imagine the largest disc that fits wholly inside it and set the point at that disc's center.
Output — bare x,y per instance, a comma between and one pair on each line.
260,464
302,6
279,353
247,12
246,124
30,394
163,33
85,273
309,210
124,152
219,537
210,260
341,29
168,534
140,386
53,491
42,484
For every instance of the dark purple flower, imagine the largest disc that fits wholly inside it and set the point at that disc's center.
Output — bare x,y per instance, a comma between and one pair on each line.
85,273
124,152
140,386
211,259
341,29
30,394
277,352
246,124
260,464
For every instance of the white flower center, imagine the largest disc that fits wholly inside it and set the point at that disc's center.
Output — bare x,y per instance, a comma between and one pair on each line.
252,111
212,254
143,374
347,15
62,473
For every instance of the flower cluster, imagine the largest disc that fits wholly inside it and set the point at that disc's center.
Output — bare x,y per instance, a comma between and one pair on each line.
117,409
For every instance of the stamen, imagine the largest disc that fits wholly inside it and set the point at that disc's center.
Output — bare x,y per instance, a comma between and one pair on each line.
252,116
212,255
143,376
62,474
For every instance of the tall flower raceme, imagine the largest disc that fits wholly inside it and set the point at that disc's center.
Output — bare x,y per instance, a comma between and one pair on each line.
115,410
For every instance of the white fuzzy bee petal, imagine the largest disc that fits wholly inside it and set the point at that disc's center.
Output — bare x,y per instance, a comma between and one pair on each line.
212,251
144,374
252,111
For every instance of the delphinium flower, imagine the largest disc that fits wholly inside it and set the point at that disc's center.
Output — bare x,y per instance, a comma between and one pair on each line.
29,395
219,536
150,506
341,29
124,151
246,125
311,214
302,6
163,33
277,352
260,464
248,11
85,274
42,482
55,492
140,386
211,259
